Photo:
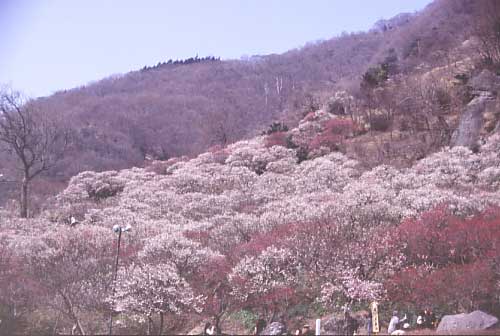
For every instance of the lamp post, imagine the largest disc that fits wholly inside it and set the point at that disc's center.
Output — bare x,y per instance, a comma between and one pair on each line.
116,229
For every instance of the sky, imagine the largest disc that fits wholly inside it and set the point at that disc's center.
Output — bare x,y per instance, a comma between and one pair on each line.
52,45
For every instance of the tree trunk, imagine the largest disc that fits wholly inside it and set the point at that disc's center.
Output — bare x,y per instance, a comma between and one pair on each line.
161,324
54,331
71,312
217,324
24,197
150,325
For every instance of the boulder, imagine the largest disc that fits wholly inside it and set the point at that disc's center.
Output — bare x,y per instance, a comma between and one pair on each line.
471,122
477,320
274,328
485,81
497,128
484,88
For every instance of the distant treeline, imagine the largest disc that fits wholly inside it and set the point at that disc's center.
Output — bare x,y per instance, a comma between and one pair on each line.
186,61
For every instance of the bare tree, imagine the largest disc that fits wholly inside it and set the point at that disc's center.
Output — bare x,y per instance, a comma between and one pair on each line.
32,136
487,29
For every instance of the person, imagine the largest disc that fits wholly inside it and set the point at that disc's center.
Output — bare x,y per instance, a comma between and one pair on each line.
369,323
351,325
259,326
306,330
431,319
428,319
402,331
209,329
420,320
394,322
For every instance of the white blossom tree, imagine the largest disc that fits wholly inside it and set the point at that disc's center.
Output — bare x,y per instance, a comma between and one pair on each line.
144,290
72,268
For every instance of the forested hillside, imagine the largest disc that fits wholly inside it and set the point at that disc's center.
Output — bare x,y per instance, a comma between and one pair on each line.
282,187
249,231
184,107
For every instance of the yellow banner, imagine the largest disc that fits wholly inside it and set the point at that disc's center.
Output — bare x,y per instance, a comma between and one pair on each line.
375,325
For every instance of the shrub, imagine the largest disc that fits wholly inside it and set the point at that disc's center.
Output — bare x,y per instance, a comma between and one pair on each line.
336,107
331,141
443,98
450,261
456,288
374,76
439,238
311,116
277,139
334,132
302,154
104,189
380,122
276,127
338,126
247,317
158,167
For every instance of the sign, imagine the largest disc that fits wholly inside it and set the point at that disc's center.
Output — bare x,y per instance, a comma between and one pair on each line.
374,309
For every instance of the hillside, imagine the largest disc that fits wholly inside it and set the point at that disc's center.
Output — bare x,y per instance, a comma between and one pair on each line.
184,108
250,230
283,187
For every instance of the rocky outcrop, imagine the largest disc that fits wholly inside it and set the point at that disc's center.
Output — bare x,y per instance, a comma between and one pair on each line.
274,328
486,81
477,320
497,127
484,88
471,122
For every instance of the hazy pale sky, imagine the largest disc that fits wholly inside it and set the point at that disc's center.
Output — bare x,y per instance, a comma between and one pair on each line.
50,45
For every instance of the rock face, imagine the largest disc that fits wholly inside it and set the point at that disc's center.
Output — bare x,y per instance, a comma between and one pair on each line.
477,320
485,81
484,87
471,122
497,128
274,328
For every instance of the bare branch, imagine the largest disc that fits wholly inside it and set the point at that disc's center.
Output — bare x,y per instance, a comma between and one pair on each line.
32,135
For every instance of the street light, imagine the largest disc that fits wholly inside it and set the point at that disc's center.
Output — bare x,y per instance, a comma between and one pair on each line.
117,229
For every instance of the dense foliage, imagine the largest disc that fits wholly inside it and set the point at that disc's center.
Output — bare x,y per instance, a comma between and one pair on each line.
184,107
280,224
248,227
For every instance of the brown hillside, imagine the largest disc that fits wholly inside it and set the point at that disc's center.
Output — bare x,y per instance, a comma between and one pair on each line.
183,108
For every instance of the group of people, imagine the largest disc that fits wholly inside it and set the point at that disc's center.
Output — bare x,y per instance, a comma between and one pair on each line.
305,331
397,326
425,320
